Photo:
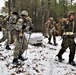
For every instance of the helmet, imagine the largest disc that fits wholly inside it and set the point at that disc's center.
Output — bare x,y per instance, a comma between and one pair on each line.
14,13
70,13
25,13
51,19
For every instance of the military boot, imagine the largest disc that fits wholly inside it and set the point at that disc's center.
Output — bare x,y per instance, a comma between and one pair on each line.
8,48
49,39
60,58
22,58
15,61
55,44
49,42
72,63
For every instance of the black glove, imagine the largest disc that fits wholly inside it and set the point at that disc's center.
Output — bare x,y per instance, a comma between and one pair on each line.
66,25
30,28
0,28
24,26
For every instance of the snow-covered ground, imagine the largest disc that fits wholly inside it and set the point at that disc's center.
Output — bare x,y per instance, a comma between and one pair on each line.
41,60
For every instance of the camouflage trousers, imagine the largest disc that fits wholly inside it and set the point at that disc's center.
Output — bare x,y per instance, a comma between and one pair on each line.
8,38
68,42
7,35
52,33
21,45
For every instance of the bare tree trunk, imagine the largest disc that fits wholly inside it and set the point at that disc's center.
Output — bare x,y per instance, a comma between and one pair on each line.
43,16
48,8
13,3
9,7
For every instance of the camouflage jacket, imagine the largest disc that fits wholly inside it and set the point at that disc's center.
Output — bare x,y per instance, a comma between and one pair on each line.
69,27
11,22
49,25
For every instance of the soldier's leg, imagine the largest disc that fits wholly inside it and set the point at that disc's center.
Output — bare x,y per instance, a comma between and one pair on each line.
23,48
46,33
64,46
16,54
72,50
49,38
8,40
12,37
17,49
54,38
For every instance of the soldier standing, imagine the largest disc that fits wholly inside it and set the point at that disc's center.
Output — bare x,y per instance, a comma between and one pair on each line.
50,27
68,38
10,29
21,43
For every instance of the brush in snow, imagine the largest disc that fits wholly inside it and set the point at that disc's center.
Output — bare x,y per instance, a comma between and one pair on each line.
20,63
52,48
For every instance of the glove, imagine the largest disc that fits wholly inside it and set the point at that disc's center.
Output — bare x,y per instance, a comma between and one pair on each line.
66,25
30,28
23,27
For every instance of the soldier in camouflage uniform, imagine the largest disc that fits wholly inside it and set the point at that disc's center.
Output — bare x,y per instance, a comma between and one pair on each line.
3,29
10,29
68,38
29,24
21,43
50,27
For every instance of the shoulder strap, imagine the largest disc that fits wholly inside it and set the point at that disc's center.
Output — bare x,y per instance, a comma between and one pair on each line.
73,26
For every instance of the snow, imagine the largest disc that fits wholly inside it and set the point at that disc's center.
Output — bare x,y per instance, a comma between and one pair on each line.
34,38
41,60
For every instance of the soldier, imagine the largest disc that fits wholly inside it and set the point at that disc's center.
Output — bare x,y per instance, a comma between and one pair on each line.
10,28
29,24
21,43
50,27
3,29
68,38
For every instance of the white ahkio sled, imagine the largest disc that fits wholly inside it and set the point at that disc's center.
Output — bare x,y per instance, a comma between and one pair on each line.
34,38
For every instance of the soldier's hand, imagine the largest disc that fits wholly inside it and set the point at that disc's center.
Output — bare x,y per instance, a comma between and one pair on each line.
66,25
3,28
24,26
30,28
20,35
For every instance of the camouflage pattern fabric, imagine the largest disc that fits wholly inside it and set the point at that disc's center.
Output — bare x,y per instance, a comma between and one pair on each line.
20,41
68,40
50,30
